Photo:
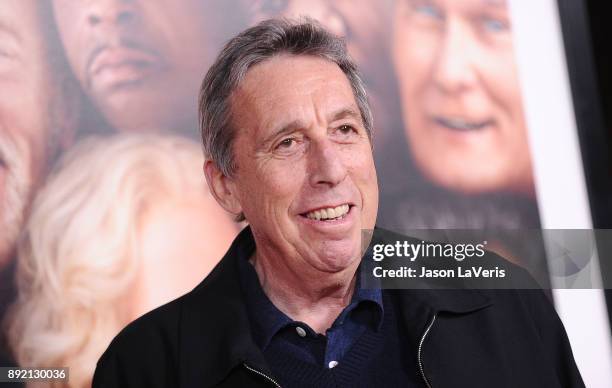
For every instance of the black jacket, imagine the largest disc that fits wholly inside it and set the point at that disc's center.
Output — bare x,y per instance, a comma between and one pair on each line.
461,338
7,296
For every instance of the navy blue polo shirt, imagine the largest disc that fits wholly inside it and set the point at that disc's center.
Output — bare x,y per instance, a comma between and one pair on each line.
272,328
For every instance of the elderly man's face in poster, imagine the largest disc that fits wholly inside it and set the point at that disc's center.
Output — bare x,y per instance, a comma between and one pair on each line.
27,135
460,94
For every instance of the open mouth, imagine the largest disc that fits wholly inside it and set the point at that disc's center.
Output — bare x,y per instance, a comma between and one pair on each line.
329,213
457,124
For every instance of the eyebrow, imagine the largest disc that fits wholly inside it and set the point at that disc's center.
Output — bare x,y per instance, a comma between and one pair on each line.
346,113
284,129
495,3
294,125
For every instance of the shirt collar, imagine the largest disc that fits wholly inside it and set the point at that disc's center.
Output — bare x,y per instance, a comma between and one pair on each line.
267,320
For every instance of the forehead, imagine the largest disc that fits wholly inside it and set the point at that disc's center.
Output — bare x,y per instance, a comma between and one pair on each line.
289,87
466,5
189,10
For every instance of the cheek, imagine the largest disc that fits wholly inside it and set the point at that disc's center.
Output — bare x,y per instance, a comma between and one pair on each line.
282,177
360,164
414,60
75,47
497,69
366,180
68,15
272,188
23,118
73,32
365,162
500,79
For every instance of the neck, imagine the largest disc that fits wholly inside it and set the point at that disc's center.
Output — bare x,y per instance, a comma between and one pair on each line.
316,303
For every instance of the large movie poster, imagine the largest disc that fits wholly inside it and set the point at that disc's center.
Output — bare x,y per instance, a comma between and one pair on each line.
104,210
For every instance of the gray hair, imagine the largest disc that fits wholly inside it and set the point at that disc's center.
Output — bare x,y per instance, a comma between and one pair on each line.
254,45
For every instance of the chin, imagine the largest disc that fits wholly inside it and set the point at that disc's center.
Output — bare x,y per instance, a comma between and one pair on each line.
338,258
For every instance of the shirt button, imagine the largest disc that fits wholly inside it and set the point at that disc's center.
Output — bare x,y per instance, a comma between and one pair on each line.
301,332
332,364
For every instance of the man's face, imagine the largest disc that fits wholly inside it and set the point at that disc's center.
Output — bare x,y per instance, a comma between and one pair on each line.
141,61
25,100
460,94
361,23
301,149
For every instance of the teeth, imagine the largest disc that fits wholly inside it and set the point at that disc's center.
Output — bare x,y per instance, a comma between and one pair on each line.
329,213
462,124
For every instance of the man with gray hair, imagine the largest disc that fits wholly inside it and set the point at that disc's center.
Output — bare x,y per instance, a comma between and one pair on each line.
287,130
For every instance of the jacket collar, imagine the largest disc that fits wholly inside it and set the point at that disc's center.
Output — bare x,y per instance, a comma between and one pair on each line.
215,333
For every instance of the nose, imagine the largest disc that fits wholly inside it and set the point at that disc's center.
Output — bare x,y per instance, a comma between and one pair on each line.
326,164
454,69
111,12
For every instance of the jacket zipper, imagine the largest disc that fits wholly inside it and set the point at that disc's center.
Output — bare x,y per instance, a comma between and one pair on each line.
419,358
262,375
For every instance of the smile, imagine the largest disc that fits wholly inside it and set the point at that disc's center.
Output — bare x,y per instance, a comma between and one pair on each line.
460,124
330,213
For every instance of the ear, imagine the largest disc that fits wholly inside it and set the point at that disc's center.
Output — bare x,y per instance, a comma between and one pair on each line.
222,188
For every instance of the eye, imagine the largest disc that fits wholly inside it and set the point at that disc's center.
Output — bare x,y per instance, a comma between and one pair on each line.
346,133
428,10
494,25
5,53
346,129
7,62
286,143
